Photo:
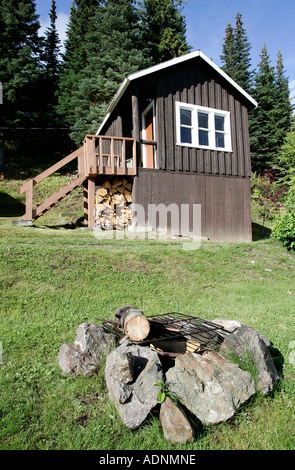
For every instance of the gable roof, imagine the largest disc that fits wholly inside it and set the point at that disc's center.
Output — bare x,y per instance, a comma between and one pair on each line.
170,63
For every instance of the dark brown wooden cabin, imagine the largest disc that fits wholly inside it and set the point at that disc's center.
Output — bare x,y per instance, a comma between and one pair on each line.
179,132
164,108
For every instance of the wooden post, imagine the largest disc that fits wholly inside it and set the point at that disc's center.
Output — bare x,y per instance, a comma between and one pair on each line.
112,157
134,152
85,200
100,168
91,202
90,155
136,121
29,201
123,143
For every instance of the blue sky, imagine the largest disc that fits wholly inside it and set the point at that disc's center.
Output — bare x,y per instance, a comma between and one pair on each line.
269,21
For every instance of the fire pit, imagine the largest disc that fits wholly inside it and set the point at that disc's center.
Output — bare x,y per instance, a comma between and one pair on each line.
212,368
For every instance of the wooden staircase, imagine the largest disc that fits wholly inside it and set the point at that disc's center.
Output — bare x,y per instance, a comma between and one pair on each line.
31,213
100,155
56,197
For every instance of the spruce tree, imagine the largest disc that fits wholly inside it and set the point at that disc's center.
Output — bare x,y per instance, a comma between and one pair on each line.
20,74
52,46
20,48
164,29
284,107
114,50
74,58
236,56
51,67
229,56
263,122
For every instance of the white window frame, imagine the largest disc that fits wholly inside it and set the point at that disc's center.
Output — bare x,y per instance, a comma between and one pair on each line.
212,112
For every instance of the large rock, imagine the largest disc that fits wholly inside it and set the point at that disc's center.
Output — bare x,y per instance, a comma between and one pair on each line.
131,373
84,357
228,325
69,358
210,386
73,362
175,423
94,340
249,348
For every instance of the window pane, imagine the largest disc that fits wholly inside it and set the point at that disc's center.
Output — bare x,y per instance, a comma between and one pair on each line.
186,135
219,123
203,138
220,140
203,120
185,117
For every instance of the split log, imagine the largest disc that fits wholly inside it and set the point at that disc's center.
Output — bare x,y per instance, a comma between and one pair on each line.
106,184
134,323
176,346
101,191
116,183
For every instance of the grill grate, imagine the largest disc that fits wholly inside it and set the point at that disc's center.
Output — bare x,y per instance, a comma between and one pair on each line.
176,333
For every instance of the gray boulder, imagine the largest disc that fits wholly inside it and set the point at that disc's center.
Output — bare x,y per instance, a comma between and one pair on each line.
210,386
84,357
175,423
73,362
249,348
69,358
131,373
94,340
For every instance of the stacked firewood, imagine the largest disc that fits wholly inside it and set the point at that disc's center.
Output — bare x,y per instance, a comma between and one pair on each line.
113,204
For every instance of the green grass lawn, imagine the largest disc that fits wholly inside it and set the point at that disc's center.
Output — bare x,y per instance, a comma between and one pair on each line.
53,279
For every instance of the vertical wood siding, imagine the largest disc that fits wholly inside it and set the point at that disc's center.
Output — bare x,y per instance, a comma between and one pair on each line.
225,201
196,83
193,82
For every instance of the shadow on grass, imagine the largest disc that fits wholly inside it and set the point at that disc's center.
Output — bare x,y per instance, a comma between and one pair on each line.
68,225
259,232
11,207
278,359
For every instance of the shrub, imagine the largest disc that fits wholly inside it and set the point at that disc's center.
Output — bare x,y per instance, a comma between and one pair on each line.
286,160
284,228
267,194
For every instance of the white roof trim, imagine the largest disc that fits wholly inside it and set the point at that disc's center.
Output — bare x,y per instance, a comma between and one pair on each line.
155,68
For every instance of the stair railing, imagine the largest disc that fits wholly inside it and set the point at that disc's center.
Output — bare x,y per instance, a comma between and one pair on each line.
29,185
99,155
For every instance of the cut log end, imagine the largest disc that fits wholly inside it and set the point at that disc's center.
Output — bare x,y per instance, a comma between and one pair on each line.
135,325
137,328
